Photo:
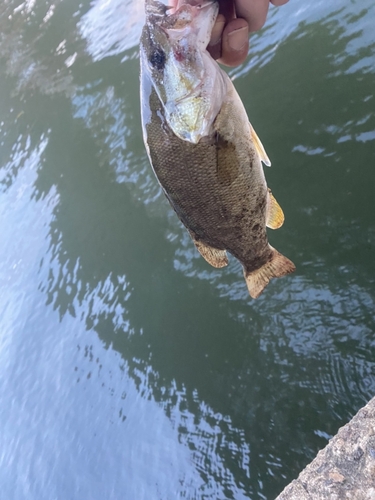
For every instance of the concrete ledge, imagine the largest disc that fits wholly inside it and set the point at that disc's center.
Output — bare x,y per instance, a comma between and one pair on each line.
345,468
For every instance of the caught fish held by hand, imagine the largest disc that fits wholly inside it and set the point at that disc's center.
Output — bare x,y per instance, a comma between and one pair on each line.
204,152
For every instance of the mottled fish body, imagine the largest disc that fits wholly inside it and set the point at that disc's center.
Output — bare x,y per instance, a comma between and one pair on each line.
201,145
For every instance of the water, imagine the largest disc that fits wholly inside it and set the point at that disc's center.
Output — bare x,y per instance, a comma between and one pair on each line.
129,368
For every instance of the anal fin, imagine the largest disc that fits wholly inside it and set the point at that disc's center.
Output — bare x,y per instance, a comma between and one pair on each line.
214,256
277,267
275,215
259,147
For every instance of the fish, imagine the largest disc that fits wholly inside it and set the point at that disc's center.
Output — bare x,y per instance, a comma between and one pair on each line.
202,148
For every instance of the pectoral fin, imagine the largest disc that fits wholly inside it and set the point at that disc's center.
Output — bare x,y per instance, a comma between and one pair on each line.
275,215
214,256
259,147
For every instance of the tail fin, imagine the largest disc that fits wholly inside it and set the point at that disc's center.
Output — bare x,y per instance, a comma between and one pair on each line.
258,280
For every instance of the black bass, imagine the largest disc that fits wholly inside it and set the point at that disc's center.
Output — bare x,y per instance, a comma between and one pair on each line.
204,152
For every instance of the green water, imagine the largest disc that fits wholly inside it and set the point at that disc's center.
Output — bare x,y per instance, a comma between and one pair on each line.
129,368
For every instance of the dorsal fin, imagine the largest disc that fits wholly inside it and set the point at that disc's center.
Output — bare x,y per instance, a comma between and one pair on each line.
275,215
259,147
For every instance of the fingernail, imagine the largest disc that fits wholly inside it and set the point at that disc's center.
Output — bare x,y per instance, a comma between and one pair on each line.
238,39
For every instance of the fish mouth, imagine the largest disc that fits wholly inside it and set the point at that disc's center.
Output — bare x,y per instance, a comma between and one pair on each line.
187,15
199,4
192,19
159,9
193,7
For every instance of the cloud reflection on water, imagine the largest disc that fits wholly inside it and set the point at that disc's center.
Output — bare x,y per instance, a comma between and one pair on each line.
344,20
112,27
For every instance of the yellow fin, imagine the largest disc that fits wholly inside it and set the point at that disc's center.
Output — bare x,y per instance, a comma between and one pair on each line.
275,215
214,256
277,267
259,147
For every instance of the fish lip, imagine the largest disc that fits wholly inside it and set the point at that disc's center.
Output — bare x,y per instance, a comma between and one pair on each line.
200,5
156,8
159,9
198,11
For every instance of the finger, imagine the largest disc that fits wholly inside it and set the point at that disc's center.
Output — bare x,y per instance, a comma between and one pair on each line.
214,47
254,11
235,43
279,2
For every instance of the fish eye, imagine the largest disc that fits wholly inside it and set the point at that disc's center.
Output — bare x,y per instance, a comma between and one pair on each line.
157,59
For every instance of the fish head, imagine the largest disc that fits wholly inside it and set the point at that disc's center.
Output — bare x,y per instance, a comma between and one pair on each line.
173,52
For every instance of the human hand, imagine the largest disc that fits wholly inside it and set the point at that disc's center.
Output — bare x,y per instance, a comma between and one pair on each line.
237,18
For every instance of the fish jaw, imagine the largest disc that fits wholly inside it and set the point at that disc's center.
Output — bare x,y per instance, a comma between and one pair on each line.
189,83
192,18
